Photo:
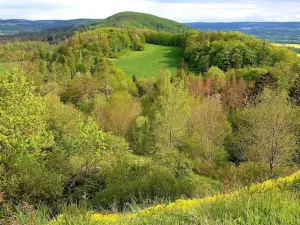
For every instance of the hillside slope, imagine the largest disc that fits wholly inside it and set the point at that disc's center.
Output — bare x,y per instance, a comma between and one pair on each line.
143,20
55,31
270,202
122,19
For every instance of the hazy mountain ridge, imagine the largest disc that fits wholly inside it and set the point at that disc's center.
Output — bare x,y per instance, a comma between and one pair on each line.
15,26
286,32
123,19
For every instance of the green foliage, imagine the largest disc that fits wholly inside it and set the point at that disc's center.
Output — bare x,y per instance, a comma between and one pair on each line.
231,50
24,139
267,131
164,38
143,20
215,73
22,126
167,112
2,69
250,74
294,92
88,133
117,113
15,26
207,127
262,205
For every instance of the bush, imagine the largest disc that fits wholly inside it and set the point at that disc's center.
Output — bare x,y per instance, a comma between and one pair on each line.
244,174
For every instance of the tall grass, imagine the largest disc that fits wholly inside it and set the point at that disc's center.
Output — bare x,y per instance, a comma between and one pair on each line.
273,202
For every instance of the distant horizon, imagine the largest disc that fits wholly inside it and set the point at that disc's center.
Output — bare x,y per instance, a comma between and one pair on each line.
187,22
183,11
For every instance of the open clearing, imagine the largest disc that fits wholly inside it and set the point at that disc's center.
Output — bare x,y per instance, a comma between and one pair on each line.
292,47
148,62
1,68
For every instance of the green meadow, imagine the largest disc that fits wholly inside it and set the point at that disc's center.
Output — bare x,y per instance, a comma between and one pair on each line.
148,62
1,68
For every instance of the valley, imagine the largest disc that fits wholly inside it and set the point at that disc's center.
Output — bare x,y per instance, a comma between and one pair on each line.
136,119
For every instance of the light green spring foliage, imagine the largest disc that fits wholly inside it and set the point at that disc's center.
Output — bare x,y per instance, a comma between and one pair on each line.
207,127
1,69
170,121
56,153
23,136
109,114
165,115
62,120
148,62
267,130
273,122
22,128
215,73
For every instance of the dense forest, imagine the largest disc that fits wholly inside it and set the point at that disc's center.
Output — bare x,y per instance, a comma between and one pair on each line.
75,131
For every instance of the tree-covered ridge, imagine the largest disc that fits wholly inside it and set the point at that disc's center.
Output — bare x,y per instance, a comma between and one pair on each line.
232,50
57,31
11,27
226,50
143,20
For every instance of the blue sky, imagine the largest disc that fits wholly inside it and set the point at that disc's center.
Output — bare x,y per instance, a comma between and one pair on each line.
180,10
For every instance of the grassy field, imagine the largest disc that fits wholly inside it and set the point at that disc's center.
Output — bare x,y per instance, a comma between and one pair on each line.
292,47
1,68
287,45
146,63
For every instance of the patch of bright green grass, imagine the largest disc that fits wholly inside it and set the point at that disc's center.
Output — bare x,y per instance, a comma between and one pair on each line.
148,62
1,69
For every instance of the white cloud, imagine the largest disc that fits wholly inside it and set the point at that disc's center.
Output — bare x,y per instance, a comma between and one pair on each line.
184,11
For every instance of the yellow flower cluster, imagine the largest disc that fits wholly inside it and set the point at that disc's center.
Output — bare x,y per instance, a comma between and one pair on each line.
186,205
287,45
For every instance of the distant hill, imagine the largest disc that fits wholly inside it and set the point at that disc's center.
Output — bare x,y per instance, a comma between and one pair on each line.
281,32
123,19
143,20
11,27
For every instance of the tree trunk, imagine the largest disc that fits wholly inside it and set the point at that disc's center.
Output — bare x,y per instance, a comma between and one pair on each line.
272,160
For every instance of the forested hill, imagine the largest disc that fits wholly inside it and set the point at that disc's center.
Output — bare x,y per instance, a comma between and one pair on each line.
15,26
122,19
143,20
55,31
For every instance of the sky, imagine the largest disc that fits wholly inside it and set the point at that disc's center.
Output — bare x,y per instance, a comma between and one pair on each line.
179,10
